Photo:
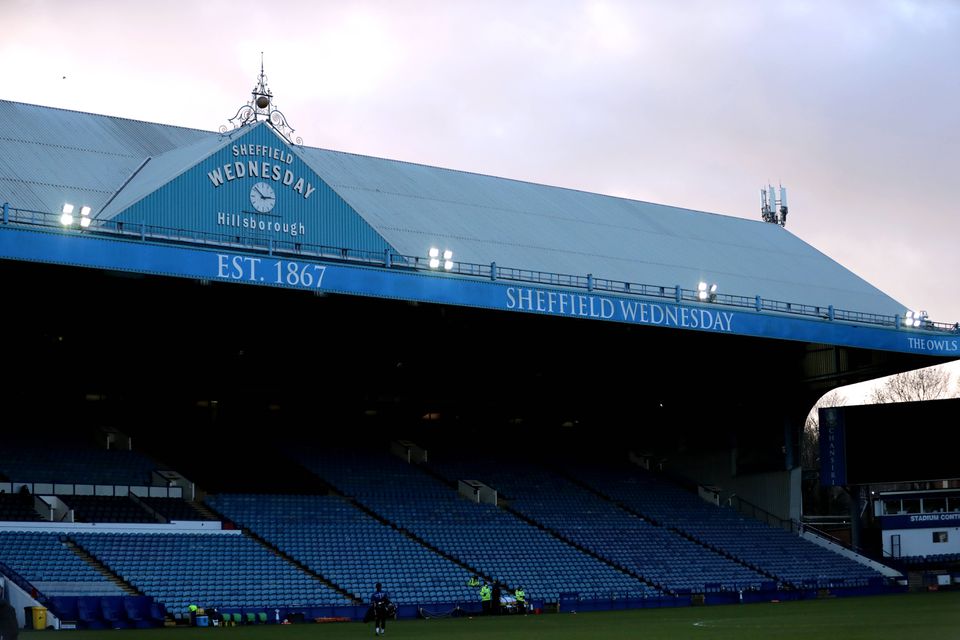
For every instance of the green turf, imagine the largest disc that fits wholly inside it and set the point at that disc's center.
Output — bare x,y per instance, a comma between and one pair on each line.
902,617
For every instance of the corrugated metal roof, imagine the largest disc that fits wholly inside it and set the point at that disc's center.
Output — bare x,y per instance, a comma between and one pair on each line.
49,155
486,219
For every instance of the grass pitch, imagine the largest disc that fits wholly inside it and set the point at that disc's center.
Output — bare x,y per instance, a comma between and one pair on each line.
931,616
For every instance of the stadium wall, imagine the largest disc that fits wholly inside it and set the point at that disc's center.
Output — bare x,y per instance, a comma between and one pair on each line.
928,540
18,599
848,553
778,492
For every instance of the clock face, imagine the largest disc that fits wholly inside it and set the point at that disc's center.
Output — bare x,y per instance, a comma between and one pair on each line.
262,197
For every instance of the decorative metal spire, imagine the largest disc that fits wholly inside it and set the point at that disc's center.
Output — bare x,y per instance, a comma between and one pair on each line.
261,107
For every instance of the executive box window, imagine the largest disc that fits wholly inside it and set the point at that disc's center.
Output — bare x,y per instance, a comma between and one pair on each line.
939,536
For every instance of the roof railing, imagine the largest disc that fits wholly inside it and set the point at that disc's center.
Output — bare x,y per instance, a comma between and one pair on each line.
294,247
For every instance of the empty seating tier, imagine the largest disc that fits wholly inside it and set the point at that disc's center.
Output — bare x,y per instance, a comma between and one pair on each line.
208,570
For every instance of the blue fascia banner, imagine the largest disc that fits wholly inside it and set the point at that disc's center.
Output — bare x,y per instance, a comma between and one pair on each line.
87,250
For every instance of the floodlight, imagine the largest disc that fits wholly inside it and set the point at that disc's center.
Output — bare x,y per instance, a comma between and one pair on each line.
66,219
67,209
436,261
84,222
84,210
706,292
915,318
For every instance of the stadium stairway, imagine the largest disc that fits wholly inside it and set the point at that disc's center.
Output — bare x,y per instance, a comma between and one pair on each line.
204,511
174,509
100,567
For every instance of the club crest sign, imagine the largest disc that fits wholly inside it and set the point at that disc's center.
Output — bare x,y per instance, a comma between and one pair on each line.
269,172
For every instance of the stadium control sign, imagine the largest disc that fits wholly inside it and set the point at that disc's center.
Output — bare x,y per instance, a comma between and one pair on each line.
920,521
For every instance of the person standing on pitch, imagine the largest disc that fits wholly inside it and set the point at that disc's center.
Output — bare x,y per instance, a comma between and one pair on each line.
381,604
485,594
521,597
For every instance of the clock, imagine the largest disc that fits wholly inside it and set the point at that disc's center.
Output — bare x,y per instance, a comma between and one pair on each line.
262,197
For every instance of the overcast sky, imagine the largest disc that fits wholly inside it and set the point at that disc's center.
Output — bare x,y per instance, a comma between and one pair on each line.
853,105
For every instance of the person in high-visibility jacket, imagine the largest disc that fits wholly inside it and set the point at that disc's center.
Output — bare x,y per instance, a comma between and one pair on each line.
485,594
474,581
521,600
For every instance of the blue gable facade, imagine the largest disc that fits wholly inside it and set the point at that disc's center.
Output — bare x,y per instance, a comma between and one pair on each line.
255,186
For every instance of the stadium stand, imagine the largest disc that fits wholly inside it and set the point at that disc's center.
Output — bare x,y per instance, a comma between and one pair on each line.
652,551
72,461
786,312
47,562
787,556
498,544
349,547
174,509
226,571
17,507
107,509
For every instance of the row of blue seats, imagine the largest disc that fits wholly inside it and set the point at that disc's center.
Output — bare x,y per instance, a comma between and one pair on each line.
200,564
114,612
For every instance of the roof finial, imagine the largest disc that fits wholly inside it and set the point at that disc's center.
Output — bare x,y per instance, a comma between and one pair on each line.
261,105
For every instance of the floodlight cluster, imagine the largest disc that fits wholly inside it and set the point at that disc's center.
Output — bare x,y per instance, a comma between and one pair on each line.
706,293
915,318
435,258
66,215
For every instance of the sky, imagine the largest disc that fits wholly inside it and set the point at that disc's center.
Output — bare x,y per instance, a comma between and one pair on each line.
853,105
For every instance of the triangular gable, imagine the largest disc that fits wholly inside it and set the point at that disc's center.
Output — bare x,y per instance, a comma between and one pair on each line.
253,185
156,171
